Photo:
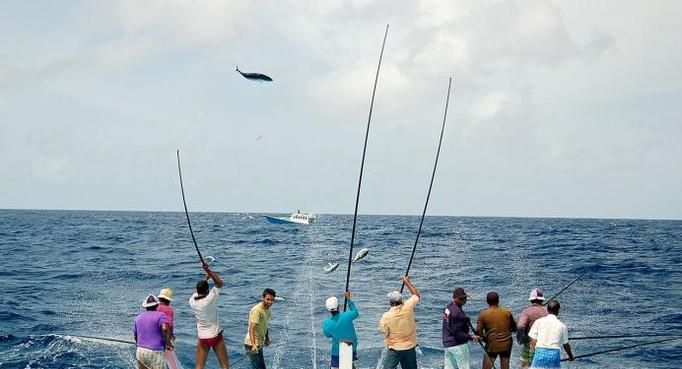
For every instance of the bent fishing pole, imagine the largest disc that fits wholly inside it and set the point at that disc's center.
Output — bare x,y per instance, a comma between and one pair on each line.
622,348
564,289
428,194
184,202
362,165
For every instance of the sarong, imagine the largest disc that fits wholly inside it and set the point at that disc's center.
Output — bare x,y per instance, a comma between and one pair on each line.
546,358
150,359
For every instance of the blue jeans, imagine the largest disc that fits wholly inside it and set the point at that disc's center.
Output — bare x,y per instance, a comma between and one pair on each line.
406,358
256,358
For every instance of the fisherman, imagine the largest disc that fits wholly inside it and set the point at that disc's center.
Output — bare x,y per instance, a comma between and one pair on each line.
165,297
257,335
400,329
496,324
548,335
528,316
339,327
204,305
456,332
152,336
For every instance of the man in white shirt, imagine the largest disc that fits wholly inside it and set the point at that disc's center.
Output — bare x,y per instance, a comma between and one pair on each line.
548,335
204,306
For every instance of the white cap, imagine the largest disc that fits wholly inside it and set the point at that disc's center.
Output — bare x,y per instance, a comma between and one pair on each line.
395,297
332,303
150,301
536,294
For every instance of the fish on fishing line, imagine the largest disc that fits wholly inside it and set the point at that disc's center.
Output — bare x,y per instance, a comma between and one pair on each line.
259,77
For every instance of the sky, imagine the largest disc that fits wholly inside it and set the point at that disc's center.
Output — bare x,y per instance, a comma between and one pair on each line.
558,108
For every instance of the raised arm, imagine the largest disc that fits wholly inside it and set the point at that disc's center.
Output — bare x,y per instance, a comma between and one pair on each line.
213,275
413,290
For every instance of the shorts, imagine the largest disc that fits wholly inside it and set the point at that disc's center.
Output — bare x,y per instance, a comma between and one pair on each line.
457,357
335,359
211,342
503,354
526,354
150,359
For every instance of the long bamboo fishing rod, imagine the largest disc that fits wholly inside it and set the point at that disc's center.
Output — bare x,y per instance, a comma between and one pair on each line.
473,330
564,289
622,336
118,340
362,165
622,348
184,202
428,194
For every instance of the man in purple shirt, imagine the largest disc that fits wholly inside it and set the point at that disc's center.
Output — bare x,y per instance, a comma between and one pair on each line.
456,332
152,336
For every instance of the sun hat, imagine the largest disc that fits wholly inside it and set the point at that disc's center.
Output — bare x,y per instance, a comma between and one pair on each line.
166,293
536,294
395,297
150,301
332,303
459,292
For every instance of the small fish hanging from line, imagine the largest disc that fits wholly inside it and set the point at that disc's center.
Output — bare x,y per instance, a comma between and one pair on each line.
260,77
331,267
360,255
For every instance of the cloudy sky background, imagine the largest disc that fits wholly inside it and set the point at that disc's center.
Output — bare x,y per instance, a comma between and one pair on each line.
559,108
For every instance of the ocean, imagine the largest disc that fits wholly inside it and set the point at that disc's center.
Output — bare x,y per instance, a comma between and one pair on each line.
65,273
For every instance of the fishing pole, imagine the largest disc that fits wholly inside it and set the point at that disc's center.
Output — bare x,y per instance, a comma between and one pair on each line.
621,348
482,346
623,336
564,289
104,339
428,194
362,165
184,202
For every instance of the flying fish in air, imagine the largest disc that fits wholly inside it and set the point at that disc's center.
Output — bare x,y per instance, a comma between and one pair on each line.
260,77
331,267
361,255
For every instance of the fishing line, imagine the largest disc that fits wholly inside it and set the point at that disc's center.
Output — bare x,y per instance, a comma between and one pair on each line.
428,194
623,336
184,202
622,348
564,289
362,165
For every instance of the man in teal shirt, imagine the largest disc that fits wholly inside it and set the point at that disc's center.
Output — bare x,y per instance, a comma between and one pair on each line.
339,327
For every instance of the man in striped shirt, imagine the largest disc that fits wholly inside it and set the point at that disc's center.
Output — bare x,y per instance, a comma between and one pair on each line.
528,316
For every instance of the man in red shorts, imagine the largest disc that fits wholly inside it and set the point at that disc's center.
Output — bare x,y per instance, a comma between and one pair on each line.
204,306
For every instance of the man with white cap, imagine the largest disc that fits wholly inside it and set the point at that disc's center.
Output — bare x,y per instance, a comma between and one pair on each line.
400,329
152,336
339,327
528,316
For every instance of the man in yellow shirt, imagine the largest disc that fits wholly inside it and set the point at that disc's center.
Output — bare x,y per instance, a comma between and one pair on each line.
257,335
400,329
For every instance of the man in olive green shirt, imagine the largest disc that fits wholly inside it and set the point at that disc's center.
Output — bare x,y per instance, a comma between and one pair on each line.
257,334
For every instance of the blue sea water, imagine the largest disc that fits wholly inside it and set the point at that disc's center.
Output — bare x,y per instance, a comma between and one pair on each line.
66,273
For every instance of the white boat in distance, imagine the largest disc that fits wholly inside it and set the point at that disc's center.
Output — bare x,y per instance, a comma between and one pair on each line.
297,217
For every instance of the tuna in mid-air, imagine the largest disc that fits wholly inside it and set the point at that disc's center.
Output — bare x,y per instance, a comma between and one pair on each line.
331,267
361,255
260,77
